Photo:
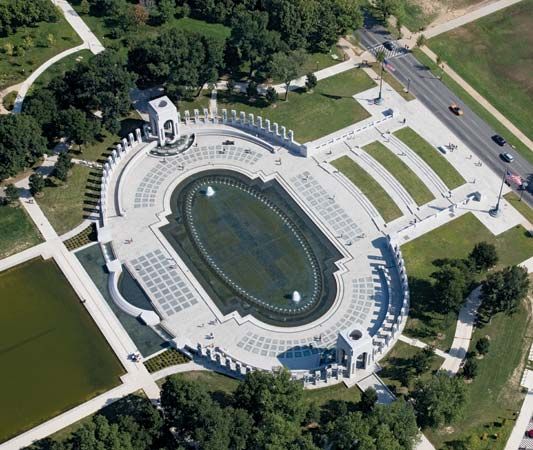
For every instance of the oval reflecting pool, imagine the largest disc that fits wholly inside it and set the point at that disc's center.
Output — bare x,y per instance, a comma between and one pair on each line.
252,248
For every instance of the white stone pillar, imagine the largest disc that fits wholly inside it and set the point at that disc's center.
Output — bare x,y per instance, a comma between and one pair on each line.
267,125
196,115
224,115
138,134
124,143
242,117
291,136
283,132
251,121
276,129
206,115
259,122
131,139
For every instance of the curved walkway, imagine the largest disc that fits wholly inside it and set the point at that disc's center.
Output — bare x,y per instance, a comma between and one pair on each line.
26,84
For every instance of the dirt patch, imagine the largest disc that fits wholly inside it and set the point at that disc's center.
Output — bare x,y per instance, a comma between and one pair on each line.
445,10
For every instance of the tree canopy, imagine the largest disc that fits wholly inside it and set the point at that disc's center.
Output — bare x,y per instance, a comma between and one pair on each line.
23,13
504,290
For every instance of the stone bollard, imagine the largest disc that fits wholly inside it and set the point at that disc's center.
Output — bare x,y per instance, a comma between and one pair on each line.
120,149
242,116
125,143
131,139
206,115
114,156
196,115
187,116
138,134
233,115
251,120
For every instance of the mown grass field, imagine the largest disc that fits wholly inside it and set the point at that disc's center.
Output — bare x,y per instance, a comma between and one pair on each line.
453,240
493,54
18,231
67,205
369,187
16,68
521,206
328,108
447,173
407,178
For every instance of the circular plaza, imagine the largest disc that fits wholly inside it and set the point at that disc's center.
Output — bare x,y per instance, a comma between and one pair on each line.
252,255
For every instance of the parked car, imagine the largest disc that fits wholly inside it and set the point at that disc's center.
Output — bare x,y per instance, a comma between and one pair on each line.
442,149
454,108
499,140
507,157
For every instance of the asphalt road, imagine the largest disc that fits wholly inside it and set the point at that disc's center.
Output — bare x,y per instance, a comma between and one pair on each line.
470,128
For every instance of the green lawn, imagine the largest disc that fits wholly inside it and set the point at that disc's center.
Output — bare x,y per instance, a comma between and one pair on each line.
521,206
369,187
493,55
60,67
18,231
407,178
311,115
53,355
494,395
431,156
107,142
452,240
398,361
496,125
14,69
397,86
67,205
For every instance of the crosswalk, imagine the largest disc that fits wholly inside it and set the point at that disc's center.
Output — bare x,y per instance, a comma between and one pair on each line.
393,50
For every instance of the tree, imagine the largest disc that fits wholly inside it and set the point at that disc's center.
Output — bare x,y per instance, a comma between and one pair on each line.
140,14
504,290
380,58
251,89
76,127
84,7
439,400
423,359
484,256
51,40
310,81
400,418
450,287
271,95
440,65
231,86
36,183
369,398
21,143
470,368
9,49
167,10
62,166
285,67
12,193
421,40
483,345
383,9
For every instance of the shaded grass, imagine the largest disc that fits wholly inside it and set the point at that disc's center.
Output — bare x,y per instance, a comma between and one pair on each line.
494,395
60,67
446,172
521,206
493,54
18,231
398,362
53,355
369,187
67,205
412,184
14,69
328,108
455,239
473,104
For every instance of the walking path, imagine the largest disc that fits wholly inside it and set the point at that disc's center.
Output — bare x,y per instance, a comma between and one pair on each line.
526,414
483,11
90,41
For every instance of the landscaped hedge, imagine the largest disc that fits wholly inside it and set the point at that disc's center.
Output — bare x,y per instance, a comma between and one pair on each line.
170,357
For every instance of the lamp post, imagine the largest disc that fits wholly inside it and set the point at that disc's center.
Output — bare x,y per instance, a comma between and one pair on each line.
408,84
524,186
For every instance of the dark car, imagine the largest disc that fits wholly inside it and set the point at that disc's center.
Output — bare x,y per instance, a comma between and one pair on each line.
389,45
499,140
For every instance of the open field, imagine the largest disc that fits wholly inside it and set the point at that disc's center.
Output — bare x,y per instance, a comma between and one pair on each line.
473,104
328,108
493,54
431,156
67,205
407,178
494,395
453,240
53,355
16,68
18,231
60,67
369,187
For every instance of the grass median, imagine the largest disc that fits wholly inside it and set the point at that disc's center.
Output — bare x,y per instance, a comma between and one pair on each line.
407,178
369,187
446,172
18,231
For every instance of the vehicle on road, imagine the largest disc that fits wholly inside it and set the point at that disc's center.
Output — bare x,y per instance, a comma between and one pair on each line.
389,45
507,157
499,140
454,108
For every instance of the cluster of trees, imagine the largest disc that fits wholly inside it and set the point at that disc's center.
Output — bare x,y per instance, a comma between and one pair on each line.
455,277
77,105
21,13
267,411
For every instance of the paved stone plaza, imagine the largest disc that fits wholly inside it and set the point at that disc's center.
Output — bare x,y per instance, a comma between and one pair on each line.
370,295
